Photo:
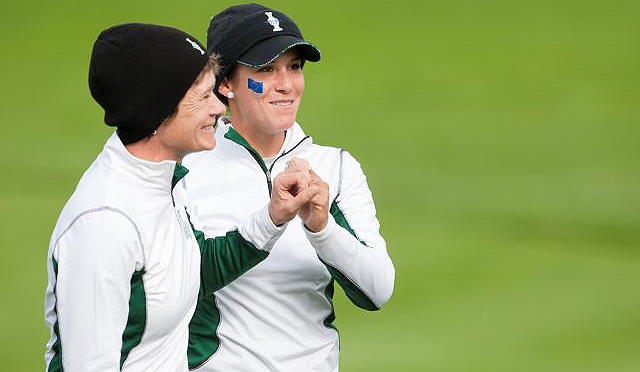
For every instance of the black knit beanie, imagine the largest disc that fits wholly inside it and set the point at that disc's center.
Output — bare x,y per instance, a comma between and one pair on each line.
139,73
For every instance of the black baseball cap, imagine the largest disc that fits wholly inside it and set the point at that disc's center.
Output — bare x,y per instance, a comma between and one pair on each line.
254,35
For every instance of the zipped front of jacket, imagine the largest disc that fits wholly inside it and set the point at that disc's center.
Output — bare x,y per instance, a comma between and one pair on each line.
234,136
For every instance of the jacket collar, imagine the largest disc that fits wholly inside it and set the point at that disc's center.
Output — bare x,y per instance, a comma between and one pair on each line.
142,173
294,140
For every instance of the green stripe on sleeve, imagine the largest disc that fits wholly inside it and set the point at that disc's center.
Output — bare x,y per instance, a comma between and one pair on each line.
136,322
55,365
133,331
340,219
224,258
328,293
355,294
203,337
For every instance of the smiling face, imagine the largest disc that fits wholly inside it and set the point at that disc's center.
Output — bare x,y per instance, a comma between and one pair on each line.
269,113
191,129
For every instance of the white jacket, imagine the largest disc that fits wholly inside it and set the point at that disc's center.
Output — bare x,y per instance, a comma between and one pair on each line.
125,269
279,315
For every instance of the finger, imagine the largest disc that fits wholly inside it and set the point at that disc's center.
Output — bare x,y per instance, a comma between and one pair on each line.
300,184
315,176
297,168
291,184
324,187
298,163
293,167
321,199
286,180
303,180
305,196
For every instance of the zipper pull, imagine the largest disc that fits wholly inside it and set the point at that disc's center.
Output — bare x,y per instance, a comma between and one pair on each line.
268,174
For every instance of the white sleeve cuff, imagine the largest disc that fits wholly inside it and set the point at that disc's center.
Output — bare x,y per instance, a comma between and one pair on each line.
317,238
260,230
333,244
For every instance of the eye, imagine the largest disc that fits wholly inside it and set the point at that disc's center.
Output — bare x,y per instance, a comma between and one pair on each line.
297,65
267,68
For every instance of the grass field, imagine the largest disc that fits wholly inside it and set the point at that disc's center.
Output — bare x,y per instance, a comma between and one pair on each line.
501,140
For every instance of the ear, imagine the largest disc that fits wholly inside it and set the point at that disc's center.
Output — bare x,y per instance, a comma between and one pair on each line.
225,87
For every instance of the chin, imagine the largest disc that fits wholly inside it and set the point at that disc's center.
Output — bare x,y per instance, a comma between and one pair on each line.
208,144
285,124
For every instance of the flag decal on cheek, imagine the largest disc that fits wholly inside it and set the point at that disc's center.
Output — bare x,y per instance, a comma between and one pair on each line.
255,86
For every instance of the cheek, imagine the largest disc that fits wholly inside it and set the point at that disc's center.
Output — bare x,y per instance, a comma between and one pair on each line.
250,102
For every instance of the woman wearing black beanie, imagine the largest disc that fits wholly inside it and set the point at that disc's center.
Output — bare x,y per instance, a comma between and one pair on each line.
127,261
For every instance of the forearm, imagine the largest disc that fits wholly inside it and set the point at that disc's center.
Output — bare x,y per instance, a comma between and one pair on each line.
366,273
225,258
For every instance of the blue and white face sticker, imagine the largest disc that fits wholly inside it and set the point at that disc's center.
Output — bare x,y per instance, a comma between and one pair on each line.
273,21
254,85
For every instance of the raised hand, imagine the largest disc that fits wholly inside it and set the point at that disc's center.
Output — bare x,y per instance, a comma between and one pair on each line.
315,213
292,189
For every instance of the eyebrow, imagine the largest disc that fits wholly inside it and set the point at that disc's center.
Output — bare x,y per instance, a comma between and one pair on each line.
206,91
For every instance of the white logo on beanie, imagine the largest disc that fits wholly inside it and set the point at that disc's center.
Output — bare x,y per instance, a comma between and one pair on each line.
195,45
273,21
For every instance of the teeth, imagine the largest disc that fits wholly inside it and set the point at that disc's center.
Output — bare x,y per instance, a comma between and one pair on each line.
282,103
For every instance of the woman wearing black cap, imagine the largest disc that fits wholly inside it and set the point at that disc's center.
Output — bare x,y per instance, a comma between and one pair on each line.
279,315
126,263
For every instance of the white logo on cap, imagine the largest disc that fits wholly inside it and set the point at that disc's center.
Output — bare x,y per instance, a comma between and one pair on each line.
273,21
195,45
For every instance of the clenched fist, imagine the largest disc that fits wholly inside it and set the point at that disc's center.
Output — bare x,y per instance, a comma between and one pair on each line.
292,189
315,213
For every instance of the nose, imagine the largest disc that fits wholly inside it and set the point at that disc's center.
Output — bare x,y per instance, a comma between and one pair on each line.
283,81
217,108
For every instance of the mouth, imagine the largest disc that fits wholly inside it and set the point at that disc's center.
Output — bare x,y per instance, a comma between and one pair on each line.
282,103
208,128
211,127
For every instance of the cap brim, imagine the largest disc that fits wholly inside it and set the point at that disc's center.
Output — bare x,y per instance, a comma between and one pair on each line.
268,50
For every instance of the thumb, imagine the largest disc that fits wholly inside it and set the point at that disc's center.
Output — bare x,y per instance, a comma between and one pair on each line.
305,196
289,180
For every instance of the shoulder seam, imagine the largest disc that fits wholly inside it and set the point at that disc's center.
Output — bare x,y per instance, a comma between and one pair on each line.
110,209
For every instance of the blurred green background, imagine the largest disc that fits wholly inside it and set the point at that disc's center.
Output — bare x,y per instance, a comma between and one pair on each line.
501,140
